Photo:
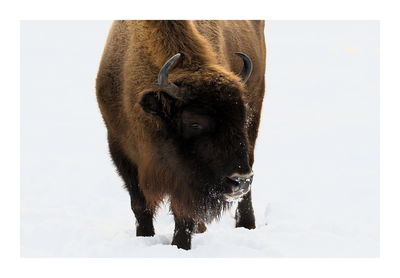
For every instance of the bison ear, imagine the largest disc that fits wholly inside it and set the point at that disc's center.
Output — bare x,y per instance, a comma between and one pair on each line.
158,103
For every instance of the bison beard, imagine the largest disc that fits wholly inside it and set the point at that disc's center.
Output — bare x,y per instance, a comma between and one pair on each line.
185,130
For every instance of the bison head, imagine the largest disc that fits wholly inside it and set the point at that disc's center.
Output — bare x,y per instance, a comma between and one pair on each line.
203,136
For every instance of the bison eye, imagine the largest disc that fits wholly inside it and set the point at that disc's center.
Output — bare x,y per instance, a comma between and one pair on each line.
193,129
196,126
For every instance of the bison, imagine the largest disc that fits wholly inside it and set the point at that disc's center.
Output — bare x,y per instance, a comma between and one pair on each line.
181,101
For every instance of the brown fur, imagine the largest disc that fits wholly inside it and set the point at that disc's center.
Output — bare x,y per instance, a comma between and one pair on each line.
134,53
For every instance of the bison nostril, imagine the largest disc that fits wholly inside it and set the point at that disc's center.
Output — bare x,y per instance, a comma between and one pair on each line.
234,179
247,178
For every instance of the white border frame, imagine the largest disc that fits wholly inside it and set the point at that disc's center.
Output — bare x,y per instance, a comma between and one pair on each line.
386,266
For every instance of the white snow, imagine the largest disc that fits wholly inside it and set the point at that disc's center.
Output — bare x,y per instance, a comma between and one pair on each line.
316,176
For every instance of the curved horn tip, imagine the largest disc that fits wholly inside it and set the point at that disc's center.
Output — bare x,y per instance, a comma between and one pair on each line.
247,66
163,74
177,55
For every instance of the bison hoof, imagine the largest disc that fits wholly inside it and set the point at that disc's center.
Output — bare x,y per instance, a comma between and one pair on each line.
182,240
249,226
181,244
248,223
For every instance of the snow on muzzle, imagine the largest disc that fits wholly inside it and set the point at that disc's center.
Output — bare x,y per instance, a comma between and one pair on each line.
239,185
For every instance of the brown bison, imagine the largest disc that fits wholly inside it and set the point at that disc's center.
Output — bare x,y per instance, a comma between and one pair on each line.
182,113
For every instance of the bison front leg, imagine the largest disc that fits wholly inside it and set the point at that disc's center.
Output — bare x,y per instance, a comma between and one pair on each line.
128,171
183,232
144,217
245,213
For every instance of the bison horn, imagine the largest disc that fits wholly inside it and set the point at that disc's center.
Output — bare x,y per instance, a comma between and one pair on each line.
163,74
247,66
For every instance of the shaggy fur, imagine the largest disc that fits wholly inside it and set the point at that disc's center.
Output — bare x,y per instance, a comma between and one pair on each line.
155,150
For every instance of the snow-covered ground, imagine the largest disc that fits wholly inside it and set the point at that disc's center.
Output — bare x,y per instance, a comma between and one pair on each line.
316,185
